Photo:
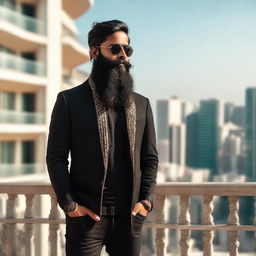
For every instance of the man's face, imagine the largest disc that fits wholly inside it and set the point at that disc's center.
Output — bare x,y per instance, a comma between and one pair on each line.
119,37
110,72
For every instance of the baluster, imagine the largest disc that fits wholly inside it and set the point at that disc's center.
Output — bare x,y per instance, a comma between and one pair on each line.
233,219
28,226
9,241
184,219
160,232
208,220
53,227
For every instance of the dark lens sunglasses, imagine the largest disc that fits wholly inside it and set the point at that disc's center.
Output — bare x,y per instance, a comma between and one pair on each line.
116,48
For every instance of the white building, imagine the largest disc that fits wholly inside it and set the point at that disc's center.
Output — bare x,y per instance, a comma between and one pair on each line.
231,149
40,50
171,117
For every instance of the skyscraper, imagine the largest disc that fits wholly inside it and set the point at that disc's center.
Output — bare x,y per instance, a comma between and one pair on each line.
250,133
192,139
171,129
210,118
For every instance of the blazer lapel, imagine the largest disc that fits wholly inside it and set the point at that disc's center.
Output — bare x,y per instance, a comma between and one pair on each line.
102,124
130,113
131,128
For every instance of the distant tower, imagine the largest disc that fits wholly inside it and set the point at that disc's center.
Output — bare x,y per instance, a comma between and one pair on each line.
210,118
192,139
238,116
162,130
171,129
250,132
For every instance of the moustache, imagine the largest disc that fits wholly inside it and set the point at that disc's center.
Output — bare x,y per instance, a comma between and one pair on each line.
126,64
119,64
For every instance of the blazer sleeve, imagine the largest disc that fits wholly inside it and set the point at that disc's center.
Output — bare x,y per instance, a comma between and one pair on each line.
149,158
58,146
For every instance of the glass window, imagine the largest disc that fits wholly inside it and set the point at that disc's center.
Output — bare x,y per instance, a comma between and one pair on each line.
28,101
7,151
28,151
7,100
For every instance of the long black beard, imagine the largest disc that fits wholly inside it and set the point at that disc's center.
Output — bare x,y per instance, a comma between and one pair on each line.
114,83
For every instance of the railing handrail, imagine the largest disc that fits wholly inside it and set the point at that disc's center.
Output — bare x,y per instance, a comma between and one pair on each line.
167,188
207,188
26,189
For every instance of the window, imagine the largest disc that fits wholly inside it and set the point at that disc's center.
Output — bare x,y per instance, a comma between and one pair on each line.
7,153
7,100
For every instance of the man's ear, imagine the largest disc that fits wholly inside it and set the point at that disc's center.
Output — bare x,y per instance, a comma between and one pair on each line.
94,52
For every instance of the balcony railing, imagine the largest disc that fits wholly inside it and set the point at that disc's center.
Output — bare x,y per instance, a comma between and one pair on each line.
183,190
79,38
21,117
11,61
23,21
9,169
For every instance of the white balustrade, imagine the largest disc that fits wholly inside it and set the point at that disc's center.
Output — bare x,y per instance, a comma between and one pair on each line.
207,191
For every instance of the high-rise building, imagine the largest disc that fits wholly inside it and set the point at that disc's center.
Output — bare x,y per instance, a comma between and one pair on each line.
231,148
210,118
192,139
39,51
171,129
229,109
238,116
162,119
177,144
250,133
162,130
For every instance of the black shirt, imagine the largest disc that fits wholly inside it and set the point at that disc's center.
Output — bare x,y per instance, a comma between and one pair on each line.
117,190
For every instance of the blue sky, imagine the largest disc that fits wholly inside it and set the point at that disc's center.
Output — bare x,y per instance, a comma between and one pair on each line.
193,49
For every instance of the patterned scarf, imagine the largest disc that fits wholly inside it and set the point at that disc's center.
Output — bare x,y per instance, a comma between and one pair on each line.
103,124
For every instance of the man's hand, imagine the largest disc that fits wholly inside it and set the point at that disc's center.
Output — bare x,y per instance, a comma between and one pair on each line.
81,211
139,208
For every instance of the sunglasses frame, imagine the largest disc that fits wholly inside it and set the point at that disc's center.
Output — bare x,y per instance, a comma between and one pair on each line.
122,46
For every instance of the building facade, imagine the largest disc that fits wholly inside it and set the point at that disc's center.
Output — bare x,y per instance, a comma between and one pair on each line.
39,52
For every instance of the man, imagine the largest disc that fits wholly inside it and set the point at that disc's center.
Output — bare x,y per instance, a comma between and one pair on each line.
109,130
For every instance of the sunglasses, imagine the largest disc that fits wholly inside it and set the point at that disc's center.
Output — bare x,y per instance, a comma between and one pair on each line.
116,48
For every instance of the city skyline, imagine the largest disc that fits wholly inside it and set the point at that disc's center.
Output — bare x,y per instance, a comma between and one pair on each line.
200,49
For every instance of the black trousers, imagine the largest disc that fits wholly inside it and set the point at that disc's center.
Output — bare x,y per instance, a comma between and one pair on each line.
86,237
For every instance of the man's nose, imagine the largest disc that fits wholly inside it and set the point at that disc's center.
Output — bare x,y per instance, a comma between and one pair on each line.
122,55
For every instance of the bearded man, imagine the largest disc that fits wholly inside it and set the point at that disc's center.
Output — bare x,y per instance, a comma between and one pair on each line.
108,129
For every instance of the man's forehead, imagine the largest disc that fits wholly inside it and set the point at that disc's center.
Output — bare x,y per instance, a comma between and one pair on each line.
119,37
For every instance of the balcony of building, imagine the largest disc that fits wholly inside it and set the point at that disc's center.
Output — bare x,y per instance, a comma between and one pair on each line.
74,51
12,116
77,8
13,170
21,109
73,78
16,63
157,221
21,32
17,71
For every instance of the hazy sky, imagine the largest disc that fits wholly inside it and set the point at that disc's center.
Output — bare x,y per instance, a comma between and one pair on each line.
193,49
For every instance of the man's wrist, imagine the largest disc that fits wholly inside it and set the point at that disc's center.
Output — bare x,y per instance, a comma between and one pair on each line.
71,207
146,204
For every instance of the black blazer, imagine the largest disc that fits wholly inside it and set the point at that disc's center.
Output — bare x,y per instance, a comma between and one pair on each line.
74,128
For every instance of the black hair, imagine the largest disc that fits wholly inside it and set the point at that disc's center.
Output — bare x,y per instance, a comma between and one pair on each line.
101,30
